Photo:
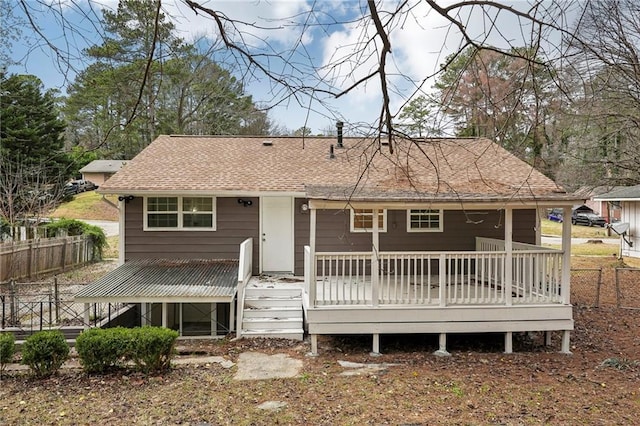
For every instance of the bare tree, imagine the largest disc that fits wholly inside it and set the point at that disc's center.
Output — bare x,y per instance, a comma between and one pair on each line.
604,75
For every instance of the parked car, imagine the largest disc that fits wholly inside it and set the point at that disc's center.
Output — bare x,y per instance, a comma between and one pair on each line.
72,188
89,186
555,215
588,219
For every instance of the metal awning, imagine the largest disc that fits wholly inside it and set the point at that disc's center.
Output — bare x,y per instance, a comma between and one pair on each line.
165,280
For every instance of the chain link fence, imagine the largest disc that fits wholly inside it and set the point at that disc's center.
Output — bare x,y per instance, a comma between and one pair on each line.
606,286
627,286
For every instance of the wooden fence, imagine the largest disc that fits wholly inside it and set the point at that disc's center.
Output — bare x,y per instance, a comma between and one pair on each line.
29,259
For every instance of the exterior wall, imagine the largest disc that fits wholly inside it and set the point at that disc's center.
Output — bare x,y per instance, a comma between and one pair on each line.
97,178
234,224
631,215
460,231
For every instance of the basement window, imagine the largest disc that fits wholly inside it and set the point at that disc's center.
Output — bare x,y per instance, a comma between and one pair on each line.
424,220
179,213
362,220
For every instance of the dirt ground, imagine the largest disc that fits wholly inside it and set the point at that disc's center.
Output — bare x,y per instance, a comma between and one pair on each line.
478,384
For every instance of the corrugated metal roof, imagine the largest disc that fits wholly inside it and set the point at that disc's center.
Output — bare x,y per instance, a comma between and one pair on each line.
165,280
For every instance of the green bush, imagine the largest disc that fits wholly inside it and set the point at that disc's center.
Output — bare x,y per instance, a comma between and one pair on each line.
7,349
152,348
77,227
102,349
45,352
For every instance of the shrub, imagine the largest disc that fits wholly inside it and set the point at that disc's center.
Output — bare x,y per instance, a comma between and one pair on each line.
102,349
45,352
7,349
152,348
77,227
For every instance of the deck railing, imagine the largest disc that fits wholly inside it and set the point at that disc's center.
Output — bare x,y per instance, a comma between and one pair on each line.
436,278
245,267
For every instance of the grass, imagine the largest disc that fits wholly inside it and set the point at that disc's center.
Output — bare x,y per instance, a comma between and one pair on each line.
88,205
577,231
111,251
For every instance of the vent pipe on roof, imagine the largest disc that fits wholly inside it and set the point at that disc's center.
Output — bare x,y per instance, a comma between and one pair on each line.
339,126
331,153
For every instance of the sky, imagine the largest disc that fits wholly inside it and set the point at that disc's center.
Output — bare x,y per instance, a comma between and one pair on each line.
320,44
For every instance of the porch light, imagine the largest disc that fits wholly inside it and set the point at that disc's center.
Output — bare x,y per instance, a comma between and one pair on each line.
304,208
245,203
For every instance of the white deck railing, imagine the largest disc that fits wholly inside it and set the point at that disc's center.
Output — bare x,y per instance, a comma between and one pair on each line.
436,278
245,268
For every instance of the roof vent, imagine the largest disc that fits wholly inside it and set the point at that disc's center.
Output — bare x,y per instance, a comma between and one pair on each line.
267,143
331,153
339,126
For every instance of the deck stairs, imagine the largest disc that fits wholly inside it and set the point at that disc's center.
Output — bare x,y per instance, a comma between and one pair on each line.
272,310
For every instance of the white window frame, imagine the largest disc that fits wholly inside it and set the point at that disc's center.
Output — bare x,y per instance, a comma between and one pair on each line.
381,229
415,211
180,214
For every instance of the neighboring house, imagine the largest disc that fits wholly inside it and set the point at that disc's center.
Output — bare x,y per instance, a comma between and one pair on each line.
431,236
609,211
628,199
98,171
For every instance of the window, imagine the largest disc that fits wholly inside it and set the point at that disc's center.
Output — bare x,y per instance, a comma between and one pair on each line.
424,221
362,220
179,213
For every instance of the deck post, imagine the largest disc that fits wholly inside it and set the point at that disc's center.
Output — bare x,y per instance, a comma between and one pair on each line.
214,319
547,338
165,315
312,255
232,315
375,265
508,262
565,281
508,342
376,345
442,350
566,343
143,314
87,311
314,345
442,283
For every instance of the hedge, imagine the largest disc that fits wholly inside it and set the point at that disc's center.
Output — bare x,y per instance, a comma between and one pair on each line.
45,352
150,349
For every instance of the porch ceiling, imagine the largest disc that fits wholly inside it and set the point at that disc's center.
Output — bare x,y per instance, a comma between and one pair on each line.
165,280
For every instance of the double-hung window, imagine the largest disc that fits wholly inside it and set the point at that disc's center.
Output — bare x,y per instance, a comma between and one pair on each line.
362,220
424,220
179,213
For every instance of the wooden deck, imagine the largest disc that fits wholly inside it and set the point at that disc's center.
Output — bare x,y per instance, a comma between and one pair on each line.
488,290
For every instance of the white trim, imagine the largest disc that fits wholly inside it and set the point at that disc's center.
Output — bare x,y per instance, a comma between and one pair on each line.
121,232
180,213
352,228
453,205
440,227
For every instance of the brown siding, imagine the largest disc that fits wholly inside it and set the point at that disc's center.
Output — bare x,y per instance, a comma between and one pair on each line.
235,223
333,232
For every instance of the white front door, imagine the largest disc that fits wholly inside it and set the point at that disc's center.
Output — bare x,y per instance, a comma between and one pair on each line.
277,234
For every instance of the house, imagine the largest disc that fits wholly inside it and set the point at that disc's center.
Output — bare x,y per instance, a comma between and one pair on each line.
420,236
98,171
590,195
627,199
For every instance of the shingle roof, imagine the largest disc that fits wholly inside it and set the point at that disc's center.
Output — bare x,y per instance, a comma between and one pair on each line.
443,169
624,193
103,166
157,280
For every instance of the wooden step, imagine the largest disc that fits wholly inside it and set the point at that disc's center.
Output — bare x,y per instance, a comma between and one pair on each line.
292,334
274,311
